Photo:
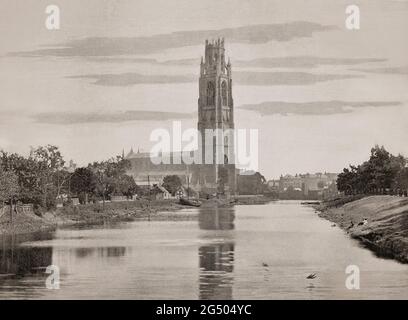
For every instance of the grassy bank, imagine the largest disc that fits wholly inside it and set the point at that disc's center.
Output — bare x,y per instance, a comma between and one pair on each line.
110,212
87,214
23,223
379,222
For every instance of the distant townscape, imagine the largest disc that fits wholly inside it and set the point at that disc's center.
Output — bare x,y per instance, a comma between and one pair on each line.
316,186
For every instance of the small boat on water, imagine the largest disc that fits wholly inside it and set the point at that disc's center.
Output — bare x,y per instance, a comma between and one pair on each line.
310,203
190,202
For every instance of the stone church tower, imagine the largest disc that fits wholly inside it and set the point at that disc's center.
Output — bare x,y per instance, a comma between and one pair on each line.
216,115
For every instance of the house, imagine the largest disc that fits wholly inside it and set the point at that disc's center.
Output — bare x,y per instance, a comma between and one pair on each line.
159,193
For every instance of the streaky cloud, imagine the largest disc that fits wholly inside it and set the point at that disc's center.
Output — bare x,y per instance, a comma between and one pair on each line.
386,70
247,78
286,78
303,62
332,107
116,46
264,62
129,79
70,118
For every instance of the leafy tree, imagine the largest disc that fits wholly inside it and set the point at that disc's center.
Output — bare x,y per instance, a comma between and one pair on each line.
49,164
172,183
108,174
9,188
41,176
376,175
124,185
102,180
401,181
82,183
345,181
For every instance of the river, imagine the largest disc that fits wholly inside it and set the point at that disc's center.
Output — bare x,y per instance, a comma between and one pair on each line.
246,252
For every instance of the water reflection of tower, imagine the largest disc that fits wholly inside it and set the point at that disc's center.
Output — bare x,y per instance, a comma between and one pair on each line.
217,256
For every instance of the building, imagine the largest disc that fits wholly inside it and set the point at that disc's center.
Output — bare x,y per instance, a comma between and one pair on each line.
251,183
318,185
216,165
216,112
290,182
160,193
273,185
145,171
307,186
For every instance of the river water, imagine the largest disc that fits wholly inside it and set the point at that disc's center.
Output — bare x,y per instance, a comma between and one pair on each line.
246,252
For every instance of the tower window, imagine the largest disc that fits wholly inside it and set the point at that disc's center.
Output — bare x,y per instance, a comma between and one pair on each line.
210,94
224,93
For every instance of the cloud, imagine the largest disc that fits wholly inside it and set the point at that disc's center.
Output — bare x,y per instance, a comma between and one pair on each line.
128,79
267,62
68,118
302,62
254,34
386,70
241,77
313,108
285,78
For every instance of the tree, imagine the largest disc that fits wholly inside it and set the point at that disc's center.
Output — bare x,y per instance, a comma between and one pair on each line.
172,183
345,181
124,185
108,174
82,183
49,164
26,171
377,175
401,181
102,180
9,188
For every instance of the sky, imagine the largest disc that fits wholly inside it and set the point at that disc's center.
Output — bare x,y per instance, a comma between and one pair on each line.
319,94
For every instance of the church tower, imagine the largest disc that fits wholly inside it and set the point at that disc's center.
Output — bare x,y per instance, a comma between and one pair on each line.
216,114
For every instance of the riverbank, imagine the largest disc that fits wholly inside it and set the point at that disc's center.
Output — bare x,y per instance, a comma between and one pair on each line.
23,223
86,214
379,222
109,213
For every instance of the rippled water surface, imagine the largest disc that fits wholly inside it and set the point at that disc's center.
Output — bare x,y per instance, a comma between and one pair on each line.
246,252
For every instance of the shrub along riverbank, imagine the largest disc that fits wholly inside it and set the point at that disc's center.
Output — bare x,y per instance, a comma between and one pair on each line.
379,222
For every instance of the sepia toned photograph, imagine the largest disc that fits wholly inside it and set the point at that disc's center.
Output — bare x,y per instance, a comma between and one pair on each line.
203,150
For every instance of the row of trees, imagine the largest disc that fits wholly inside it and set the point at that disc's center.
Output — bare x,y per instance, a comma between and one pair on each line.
43,177
382,173
102,180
